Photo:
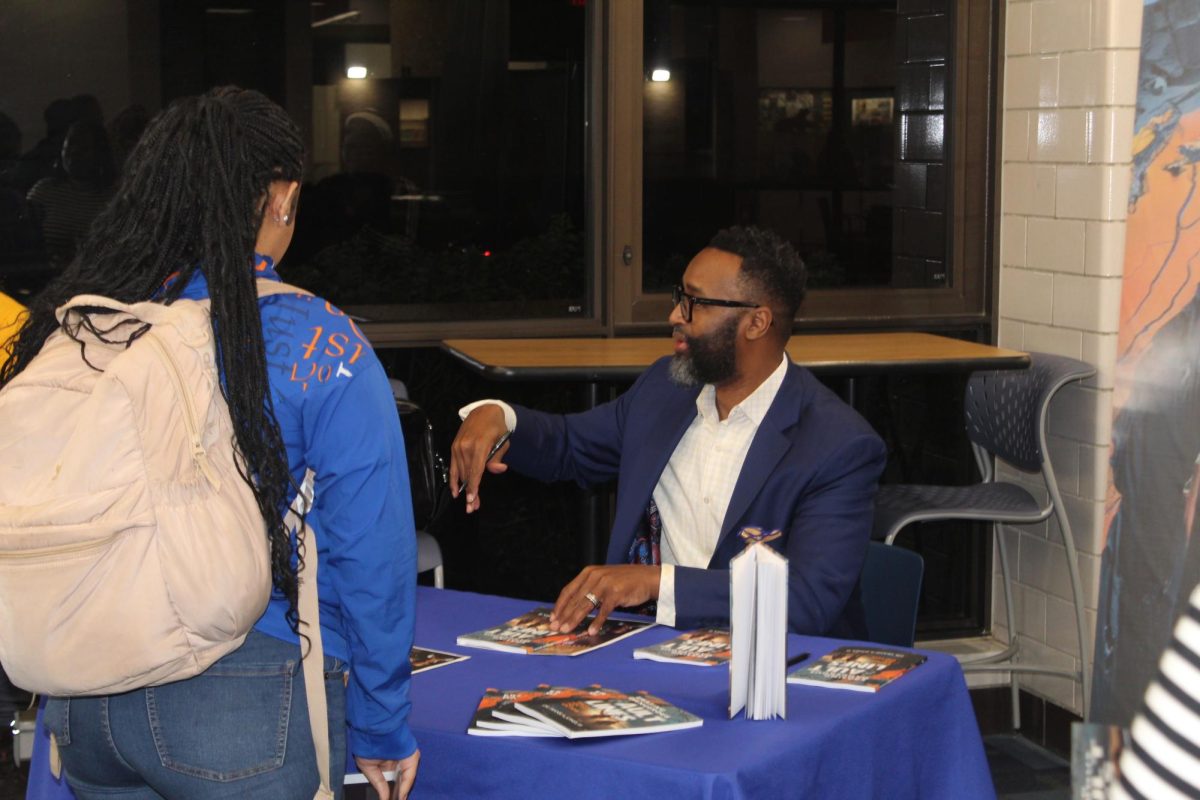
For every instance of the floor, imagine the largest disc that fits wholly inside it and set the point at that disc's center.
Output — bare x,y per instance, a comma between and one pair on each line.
1022,770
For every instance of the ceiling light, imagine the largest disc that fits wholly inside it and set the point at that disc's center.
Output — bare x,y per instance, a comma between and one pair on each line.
356,73
660,75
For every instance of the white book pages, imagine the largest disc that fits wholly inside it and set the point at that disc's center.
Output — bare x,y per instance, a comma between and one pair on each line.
758,629
741,628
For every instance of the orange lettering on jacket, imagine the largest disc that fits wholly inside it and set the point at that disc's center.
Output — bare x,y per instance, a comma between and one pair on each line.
312,345
337,344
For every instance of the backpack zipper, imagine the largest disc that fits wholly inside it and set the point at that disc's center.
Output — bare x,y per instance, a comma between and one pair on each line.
63,550
189,418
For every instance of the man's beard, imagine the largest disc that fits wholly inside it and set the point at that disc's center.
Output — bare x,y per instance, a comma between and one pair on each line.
708,359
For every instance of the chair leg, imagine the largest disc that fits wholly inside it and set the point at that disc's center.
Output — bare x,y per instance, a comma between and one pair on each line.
1014,687
1064,527
438,577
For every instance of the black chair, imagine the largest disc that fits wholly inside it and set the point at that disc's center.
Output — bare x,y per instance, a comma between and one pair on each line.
428,480
891,588
1006,418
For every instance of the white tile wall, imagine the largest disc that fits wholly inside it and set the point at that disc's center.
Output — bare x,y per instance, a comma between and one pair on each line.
1082,302
1116,24
1060,136
1100,350
1016,136
1027,295
1070,78
1031,612
1031,82
1109,134
1093,478
1060,26
1104,248
1017,29
1055,245
1048,339
1094,191
1012,241
1029,189
1061,691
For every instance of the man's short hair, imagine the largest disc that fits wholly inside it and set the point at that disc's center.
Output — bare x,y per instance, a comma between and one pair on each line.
771,265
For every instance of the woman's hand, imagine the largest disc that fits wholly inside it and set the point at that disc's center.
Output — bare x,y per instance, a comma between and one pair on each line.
373,770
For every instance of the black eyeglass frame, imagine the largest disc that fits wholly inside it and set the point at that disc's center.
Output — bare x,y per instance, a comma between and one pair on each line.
678,296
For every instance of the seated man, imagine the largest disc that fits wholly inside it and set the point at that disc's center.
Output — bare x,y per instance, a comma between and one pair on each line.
723,443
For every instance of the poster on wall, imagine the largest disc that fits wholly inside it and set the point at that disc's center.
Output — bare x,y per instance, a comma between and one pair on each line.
1151,558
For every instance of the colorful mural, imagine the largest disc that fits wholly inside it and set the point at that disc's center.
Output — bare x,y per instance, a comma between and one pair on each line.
1150,561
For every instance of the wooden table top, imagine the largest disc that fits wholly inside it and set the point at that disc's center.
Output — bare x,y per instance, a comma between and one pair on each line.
847,354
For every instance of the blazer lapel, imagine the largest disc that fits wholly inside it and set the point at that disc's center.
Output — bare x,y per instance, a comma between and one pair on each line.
669,421
768,447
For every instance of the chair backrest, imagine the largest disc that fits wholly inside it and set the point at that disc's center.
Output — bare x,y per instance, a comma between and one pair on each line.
428,477
891,588
1006,409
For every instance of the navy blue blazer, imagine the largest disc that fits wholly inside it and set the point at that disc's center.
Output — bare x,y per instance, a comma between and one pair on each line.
811,472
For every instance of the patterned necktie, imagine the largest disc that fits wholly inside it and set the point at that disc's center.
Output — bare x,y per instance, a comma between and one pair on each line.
644,548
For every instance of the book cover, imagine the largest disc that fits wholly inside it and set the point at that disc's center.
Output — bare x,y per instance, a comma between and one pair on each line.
581,717
705,647
422,658
497,714
530,633
860,669
486,723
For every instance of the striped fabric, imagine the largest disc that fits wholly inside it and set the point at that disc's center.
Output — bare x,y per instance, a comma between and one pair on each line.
1162,761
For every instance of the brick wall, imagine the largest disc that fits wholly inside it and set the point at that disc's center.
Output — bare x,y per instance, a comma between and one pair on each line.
1069,76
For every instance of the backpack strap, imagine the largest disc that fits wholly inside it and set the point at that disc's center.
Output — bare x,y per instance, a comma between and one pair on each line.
150,312
154,313
267,287
313,663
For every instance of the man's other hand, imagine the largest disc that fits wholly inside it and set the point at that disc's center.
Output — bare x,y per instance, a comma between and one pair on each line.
612,586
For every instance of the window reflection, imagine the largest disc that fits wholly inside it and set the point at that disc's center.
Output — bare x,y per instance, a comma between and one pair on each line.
447,182
453,172
781,114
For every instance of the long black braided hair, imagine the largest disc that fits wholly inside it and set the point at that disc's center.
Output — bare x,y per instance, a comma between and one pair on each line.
192,197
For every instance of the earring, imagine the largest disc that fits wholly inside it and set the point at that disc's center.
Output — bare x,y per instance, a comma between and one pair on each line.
287,219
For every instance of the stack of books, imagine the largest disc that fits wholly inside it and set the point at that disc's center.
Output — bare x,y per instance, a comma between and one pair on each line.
575,713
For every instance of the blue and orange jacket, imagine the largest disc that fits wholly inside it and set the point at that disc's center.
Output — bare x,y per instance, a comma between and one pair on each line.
338,417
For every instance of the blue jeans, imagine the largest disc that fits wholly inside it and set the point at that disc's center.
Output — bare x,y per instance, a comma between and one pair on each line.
240,730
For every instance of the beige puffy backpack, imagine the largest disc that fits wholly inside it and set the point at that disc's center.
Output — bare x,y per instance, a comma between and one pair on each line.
132,552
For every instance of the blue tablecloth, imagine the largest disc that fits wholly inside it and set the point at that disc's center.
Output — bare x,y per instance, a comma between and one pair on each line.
915,738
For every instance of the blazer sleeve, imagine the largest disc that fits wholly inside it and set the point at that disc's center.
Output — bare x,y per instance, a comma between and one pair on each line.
826,544
584,447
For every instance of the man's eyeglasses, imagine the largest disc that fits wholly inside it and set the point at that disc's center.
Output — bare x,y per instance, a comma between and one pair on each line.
687,302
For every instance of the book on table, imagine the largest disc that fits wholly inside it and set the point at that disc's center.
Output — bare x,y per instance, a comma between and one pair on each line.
572,712
859,669
530,633
758,581
423,658
706,647
486,723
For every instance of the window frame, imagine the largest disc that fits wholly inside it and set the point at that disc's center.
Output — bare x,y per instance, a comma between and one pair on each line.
972,79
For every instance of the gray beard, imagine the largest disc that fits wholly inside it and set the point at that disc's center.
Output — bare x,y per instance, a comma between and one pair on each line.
682,372
709,359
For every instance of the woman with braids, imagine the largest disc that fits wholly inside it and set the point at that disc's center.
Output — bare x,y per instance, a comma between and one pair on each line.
205,206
